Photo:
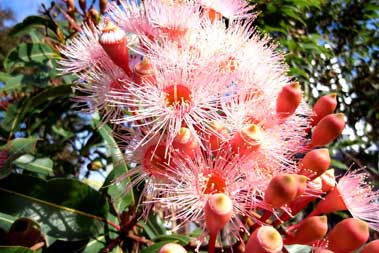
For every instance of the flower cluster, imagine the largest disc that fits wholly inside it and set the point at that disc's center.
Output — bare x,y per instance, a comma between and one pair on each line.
218,133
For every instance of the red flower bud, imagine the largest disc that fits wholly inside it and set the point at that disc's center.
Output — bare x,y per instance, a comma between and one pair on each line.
265,239
324,106
281,190
114,42
371,247
328,180
144,72
348,235
328,129
218,211
308,231
288,100
315,163
246,140
186,142
216,136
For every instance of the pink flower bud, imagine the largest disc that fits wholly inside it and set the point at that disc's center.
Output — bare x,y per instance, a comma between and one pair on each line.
114,42
328,180
265,239
281,190
218,211
308,231
288,100
144,72
186,142
315,163
172,248
371,247
324,106
348,235
328,129
216,136
246,140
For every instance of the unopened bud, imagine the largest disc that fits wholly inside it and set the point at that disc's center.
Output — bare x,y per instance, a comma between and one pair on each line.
315,163
186,142
308,231
371,247
24,232
83,5
328,180
114,42
103,6
246,140
70,4
348,235
265,239
288,100
144,73
324,106
216,136
328,129
172,248
218,212
281,190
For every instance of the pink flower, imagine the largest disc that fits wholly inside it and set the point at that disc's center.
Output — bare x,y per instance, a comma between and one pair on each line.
231,9
185,196
83,52
354,194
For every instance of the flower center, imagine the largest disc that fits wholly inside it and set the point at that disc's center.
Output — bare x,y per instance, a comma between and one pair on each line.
214,184
177,95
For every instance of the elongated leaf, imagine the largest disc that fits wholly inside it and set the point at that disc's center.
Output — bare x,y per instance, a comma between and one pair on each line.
34,21
27,53
16,249
182,239
43,166
6,221
66,209
116,189
11,82
21,145
99,243
12,123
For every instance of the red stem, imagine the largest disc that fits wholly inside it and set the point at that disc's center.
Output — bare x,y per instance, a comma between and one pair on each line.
264,217
212,242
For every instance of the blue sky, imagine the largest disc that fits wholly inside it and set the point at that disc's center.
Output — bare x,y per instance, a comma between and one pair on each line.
23,8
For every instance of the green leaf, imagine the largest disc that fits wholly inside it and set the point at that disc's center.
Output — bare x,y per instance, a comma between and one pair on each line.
11,82
338,164
6,221
16,249
99,243
12,122
153,227
28,53
66,209
182,239
43,166
114,188
21,145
